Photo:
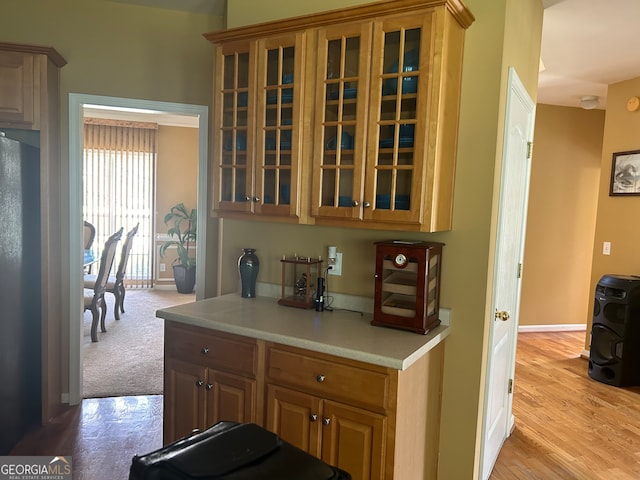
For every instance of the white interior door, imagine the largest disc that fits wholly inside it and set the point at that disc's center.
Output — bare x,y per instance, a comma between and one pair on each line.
514,191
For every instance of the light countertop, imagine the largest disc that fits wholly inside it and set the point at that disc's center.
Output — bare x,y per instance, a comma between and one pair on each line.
342,333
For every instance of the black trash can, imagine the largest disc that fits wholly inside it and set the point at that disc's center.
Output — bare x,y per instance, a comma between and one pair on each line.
232,451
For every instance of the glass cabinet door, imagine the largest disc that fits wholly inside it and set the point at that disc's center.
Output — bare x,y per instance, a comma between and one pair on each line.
341,116
277,139
233,137
396,163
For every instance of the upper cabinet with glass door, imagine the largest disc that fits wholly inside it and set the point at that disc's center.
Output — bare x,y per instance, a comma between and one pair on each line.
351,118
233,133
256,134
386,121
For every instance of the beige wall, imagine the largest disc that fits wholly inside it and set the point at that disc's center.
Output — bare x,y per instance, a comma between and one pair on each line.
617,216
176,180
565,175
468,251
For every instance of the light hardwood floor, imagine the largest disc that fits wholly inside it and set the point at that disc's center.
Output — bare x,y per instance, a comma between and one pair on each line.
568,426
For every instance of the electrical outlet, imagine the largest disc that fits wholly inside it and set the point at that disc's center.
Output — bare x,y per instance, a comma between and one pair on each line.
336,267
163,267
606,248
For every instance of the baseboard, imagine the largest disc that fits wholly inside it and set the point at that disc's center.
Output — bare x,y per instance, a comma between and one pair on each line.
566,327
585,354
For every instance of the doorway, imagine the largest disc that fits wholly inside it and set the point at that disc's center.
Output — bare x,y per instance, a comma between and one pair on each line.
77,103
512,214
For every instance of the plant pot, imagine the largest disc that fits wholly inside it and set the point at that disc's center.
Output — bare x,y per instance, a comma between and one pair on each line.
185,278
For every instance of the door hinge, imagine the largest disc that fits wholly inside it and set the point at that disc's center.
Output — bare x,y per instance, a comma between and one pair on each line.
519,270
511,385
529,149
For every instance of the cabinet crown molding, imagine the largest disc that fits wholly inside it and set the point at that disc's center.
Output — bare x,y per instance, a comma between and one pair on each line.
361,12
57,59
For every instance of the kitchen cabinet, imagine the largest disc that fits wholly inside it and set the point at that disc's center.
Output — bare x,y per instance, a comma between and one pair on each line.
18,102
364,398
307,415
257,148
209,377
374,116
389,91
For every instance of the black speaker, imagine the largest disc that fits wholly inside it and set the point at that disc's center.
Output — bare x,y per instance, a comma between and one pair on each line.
615,333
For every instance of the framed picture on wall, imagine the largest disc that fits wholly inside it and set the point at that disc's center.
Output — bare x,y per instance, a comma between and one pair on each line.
625,173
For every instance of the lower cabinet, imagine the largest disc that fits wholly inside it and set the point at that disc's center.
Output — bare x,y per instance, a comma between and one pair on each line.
376,423
201,387
348,437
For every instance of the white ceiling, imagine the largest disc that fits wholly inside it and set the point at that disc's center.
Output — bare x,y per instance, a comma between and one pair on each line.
586,45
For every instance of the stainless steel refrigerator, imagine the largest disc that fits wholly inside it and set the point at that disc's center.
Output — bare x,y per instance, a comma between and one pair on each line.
20,288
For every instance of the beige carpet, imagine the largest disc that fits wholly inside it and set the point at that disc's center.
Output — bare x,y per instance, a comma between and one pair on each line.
128,357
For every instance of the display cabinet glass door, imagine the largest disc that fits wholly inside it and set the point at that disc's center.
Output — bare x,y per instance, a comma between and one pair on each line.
233,190
398,121
341,97
278,145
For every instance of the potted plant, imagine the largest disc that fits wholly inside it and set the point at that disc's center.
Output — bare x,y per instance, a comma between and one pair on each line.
183,226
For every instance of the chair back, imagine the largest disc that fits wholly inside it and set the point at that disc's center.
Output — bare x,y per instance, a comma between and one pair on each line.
89,235
106,262
124,254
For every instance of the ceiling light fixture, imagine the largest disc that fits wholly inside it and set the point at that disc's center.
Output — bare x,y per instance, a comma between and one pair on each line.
589,102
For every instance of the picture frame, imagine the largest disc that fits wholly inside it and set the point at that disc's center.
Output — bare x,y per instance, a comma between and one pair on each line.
625,174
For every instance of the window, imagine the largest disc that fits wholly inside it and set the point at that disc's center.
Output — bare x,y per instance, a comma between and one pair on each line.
119,171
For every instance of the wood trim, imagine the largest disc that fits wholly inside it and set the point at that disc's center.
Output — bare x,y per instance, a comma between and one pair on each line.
57,59
358,13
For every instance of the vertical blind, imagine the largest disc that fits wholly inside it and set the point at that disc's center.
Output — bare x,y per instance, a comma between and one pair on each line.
119,177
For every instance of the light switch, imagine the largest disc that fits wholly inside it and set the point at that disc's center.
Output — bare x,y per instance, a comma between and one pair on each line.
606,248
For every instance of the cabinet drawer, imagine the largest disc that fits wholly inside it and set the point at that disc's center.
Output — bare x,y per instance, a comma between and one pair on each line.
328,378
218,350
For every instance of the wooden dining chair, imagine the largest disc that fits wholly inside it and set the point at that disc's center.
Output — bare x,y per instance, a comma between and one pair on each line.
94,296
115,283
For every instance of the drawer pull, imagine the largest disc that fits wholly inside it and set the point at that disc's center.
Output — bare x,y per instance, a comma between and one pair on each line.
199,383
313,417
205,350
320,378
326,421
209,386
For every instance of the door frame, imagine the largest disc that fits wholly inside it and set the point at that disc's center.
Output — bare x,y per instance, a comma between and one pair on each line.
76,309
516,92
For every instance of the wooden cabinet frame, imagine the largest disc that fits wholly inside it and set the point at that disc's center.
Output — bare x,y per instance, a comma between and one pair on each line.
430,196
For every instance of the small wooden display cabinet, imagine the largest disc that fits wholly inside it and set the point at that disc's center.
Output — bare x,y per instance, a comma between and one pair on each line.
298,279
407,285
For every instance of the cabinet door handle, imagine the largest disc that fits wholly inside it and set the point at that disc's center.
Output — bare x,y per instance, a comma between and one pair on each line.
366,204
204,350
256,199
326,420
320,378
199,383
355,203
247,198
313,417
209,386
